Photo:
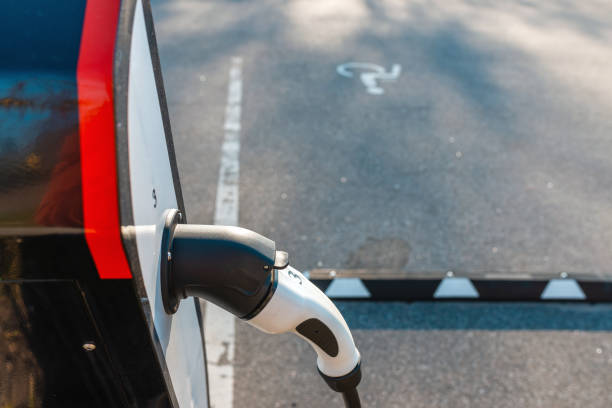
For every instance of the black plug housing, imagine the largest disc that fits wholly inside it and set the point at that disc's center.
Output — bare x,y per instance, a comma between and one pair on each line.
230,266
347,385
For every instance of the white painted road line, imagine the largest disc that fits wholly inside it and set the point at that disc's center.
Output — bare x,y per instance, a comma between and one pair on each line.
226,207
220,326
220,331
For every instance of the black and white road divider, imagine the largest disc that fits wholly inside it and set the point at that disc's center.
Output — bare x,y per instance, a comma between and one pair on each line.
401,286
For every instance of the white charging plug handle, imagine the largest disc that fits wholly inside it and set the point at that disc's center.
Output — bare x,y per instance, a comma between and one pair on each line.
297,305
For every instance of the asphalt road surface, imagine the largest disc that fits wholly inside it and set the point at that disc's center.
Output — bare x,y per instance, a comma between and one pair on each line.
487,151
490,151
426,355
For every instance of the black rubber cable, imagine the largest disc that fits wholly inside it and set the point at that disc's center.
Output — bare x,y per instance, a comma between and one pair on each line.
351,398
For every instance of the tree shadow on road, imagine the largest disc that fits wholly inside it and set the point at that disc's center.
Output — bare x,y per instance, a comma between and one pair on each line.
477,316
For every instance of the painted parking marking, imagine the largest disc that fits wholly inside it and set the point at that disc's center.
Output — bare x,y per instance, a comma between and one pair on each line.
219,325
371,74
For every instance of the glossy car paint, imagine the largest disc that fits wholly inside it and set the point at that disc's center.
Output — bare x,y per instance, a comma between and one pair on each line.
57,297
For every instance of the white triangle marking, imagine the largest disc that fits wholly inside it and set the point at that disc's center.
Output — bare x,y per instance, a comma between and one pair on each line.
456,288
563,289
347,288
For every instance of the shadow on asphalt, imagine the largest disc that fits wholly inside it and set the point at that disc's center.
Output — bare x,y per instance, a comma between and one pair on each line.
476,316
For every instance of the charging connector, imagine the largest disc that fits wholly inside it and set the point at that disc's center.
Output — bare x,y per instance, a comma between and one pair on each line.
243,273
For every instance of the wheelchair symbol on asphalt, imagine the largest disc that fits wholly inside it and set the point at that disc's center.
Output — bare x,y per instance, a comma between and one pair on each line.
371,74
